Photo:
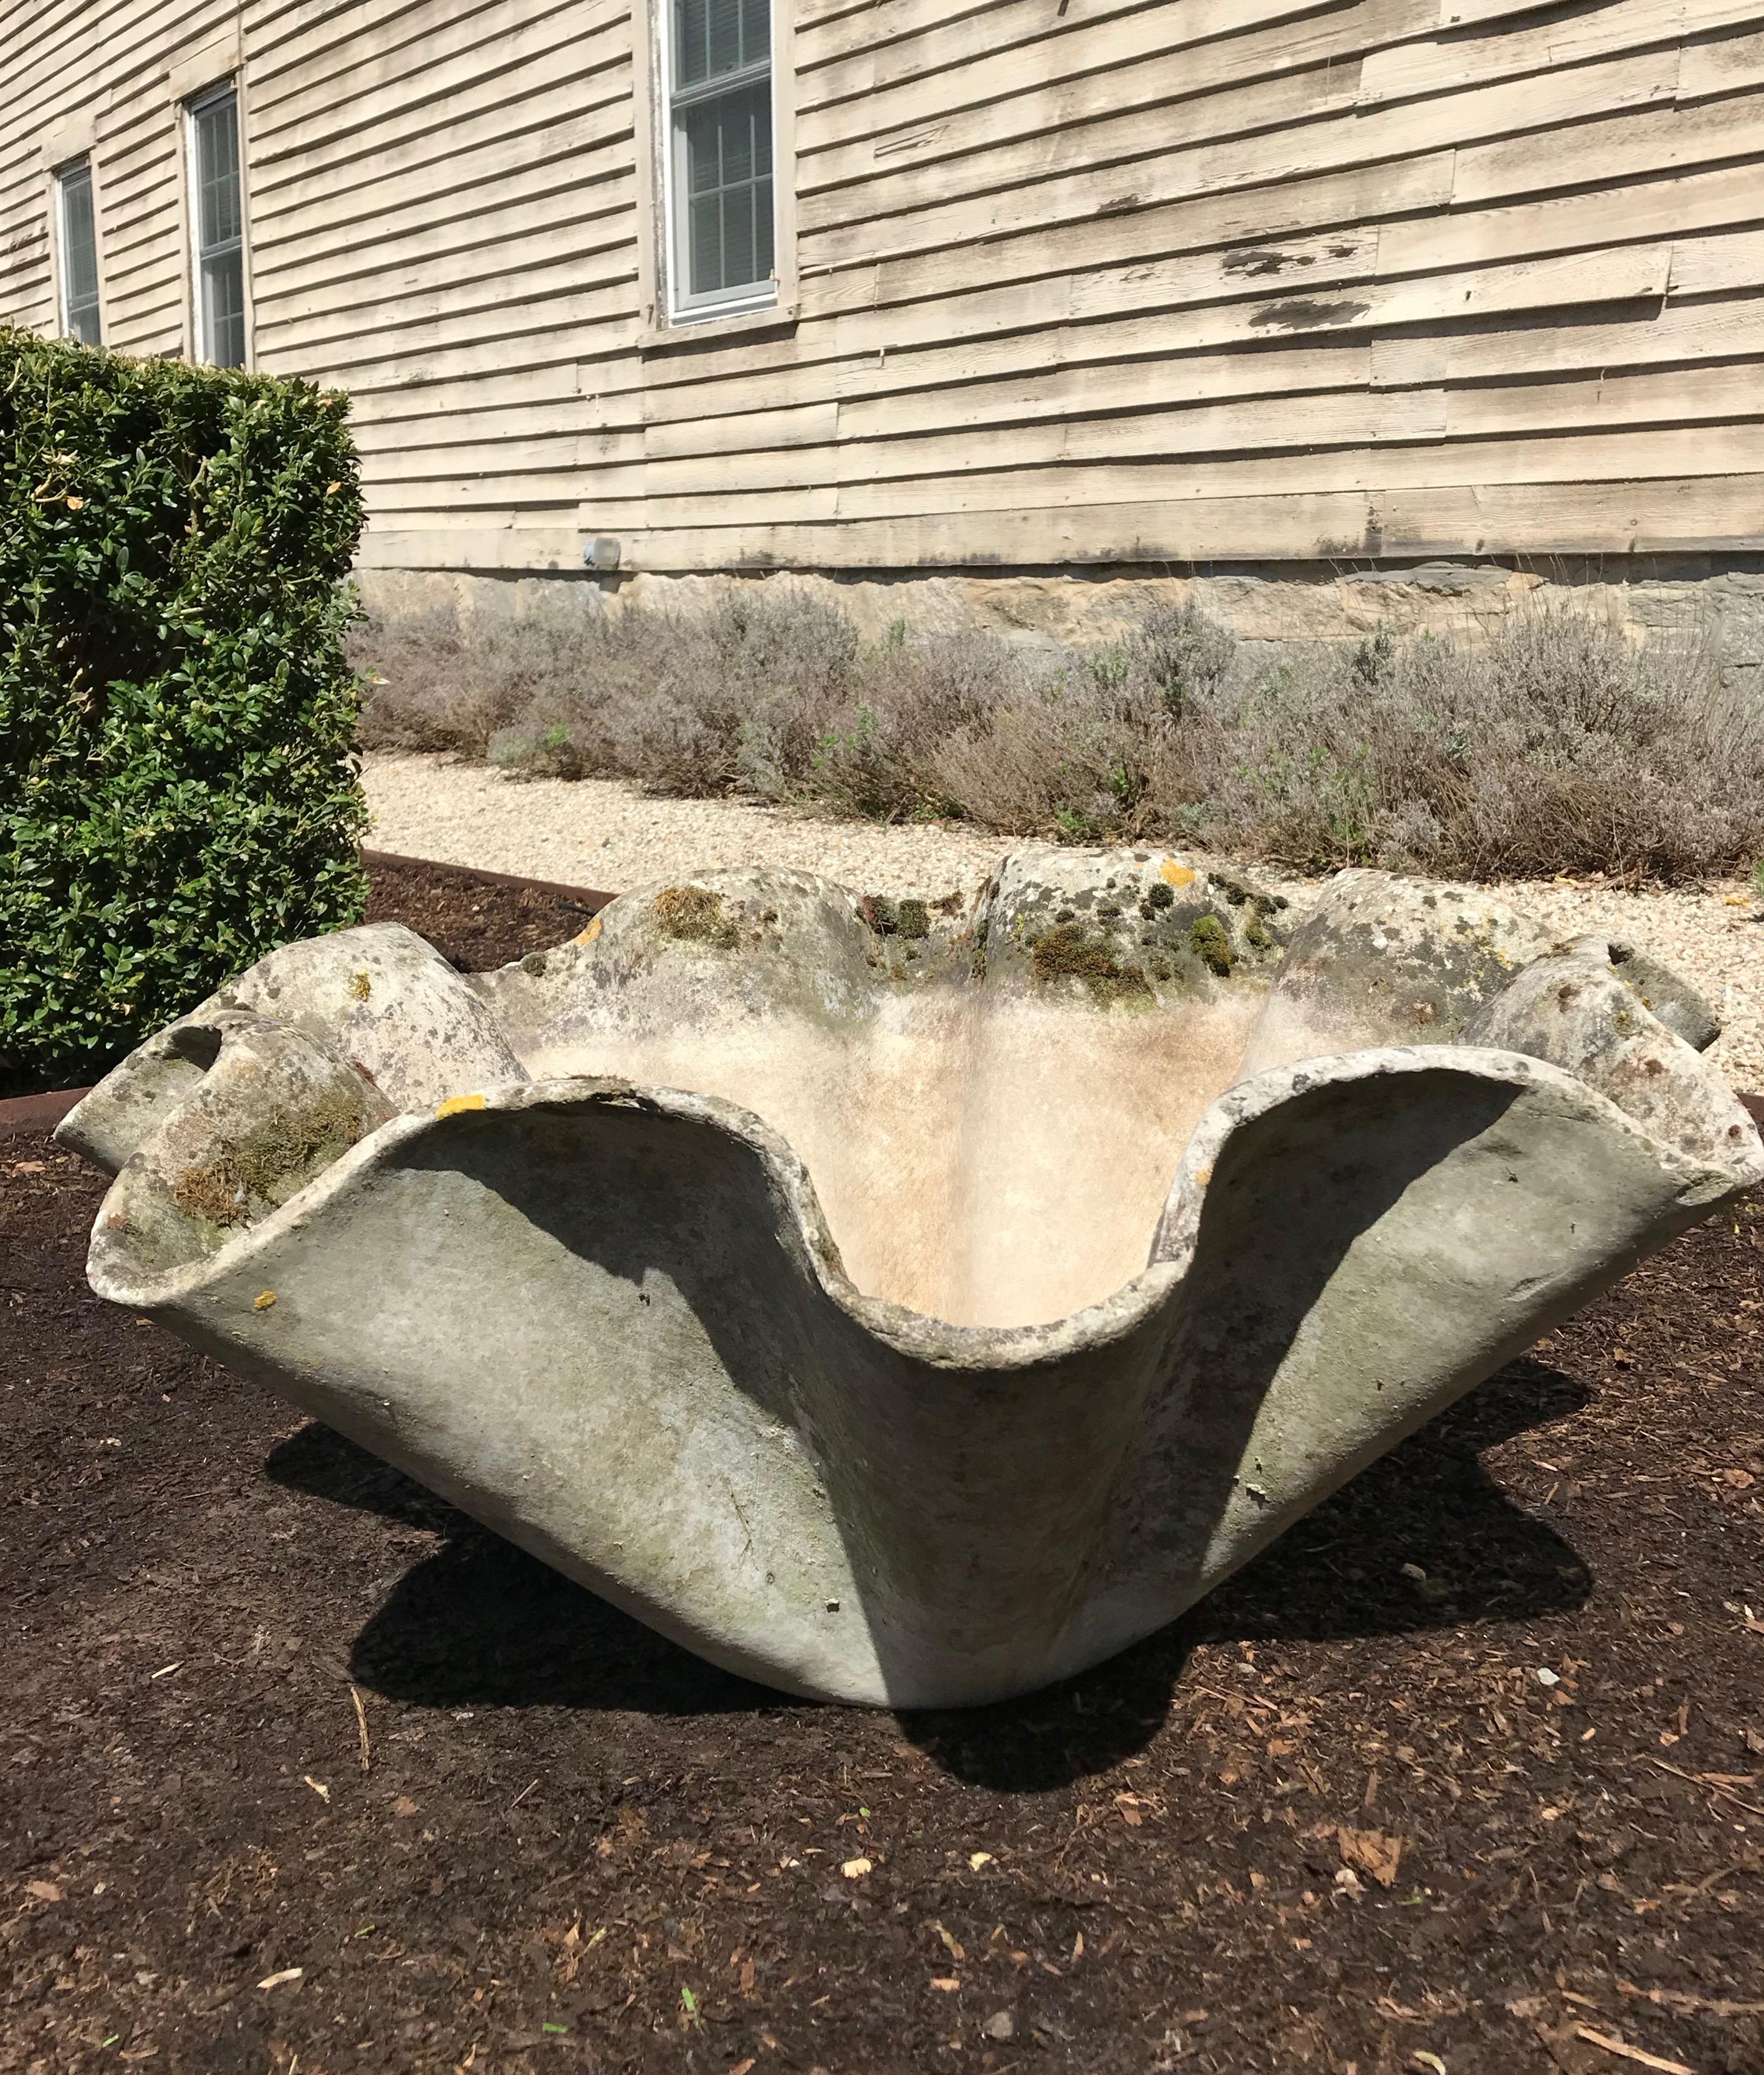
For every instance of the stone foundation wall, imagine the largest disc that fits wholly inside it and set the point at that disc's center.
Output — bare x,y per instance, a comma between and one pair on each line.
1720,600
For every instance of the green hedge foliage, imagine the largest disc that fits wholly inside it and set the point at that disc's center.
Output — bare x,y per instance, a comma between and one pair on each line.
177,790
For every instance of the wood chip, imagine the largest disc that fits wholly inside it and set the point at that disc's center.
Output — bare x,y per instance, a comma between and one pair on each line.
1622,2047
1708,1782
1371,1852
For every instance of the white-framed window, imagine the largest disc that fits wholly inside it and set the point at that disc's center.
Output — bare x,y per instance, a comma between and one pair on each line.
77,239
217,193
717,106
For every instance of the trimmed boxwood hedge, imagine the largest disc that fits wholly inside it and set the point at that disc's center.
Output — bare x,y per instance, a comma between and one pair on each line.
177,789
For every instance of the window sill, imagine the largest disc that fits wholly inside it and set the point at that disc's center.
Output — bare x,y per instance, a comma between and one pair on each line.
771,317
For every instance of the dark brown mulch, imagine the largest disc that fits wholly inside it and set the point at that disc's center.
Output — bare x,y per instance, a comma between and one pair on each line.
476,919
575,1847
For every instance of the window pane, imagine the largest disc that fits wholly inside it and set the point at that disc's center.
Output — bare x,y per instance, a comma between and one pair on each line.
728,182
223,308
756,30
704,226
712,37
219,225
217,172
79,255
688,38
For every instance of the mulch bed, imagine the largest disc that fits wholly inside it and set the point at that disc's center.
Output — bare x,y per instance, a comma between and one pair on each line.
478,919
1333,1820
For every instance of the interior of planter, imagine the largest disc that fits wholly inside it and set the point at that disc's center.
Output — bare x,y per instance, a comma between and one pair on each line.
988,1162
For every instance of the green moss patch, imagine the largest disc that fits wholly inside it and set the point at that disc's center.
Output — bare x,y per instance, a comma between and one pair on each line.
909,918
1211,943
694,915
1070,951
247,1176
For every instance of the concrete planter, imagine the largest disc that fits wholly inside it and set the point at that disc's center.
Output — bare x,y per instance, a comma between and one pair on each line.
904,1306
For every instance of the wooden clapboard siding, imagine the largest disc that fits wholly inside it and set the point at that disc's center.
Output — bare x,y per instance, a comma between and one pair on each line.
1634,145
477,451
67,61
477,330
567,153
544,90
392,260
894,184
860,224
409,59
423,125
549,387
1125,280
454,295
1003,339
1723,392
1650,516
1139,64
539,346
496,144
1722,65
473,546
1427,464
863,63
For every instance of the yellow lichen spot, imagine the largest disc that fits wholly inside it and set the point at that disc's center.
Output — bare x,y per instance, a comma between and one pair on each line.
262,1300
1175,874
360,984
588,935
455,1103
1202,1176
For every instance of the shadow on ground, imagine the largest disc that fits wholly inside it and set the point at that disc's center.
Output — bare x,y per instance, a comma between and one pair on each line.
480,1623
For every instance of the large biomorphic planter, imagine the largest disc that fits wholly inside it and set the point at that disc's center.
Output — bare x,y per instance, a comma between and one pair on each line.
908,1302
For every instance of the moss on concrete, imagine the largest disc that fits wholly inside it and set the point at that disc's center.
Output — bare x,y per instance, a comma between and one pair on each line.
1070,951
1211,942
249,1174
910,919
694,915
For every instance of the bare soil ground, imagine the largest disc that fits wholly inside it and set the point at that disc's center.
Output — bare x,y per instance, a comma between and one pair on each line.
306,1773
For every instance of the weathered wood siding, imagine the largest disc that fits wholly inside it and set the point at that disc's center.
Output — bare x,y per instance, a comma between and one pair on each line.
1080,280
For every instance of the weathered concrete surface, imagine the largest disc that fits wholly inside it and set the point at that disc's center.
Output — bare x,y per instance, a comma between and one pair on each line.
901,1306
389,1004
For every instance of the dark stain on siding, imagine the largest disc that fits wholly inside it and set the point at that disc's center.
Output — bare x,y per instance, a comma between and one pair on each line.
1300,315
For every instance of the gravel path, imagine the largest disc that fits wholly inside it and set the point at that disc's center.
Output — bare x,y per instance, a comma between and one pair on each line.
600,832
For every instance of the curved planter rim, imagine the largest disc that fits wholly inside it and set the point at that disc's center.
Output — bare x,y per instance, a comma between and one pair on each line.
916,1334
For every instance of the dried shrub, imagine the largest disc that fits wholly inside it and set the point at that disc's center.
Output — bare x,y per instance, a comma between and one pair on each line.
1556,743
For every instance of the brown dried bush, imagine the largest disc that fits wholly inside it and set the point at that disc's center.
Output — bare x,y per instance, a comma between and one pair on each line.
1556,744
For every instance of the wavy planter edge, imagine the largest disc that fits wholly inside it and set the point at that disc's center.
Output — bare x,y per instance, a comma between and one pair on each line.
606,1316
30,1116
